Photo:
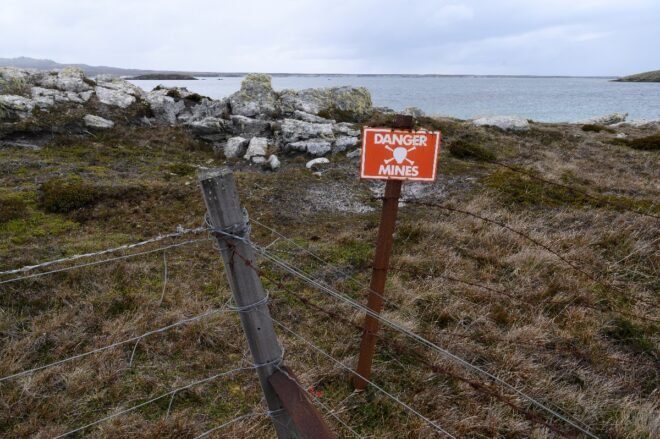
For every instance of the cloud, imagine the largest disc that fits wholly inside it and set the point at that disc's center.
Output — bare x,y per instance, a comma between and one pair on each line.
591,37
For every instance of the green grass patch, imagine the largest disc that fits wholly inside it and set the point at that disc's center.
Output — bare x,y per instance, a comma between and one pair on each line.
12,207
66,194
649,143
594,128
464,149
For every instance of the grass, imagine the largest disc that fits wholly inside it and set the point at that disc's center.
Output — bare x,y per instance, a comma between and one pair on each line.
521,313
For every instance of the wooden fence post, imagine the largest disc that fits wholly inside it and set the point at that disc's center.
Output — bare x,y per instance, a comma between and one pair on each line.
230,226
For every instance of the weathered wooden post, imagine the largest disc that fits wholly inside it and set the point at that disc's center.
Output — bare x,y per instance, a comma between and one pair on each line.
395,155
230,226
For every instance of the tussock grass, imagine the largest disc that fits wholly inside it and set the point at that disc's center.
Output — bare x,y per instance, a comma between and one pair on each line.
483,293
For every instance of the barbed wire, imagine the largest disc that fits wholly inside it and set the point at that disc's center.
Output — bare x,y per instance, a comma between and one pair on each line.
336,317
113,345
429,421
180,232
135,407
462,362
526,236
572,189
105,261
422,340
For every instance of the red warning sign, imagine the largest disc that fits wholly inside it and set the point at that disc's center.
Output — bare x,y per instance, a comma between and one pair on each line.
399,155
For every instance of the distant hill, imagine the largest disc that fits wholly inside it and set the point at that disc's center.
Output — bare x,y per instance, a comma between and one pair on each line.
653,76
47,64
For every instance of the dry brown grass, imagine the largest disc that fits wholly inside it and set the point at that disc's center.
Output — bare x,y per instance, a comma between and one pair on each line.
548,329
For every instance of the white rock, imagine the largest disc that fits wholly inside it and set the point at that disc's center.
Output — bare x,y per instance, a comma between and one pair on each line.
414,112
165,108
255,98
46,97
273,163
507,123
316,162
97,122
117,98
235,147
608,119
308,117
209,125
70,79
346,129
344,142
621,135
258,160
295,130
257,148
18,105
314,147
355,101
354,154
248,127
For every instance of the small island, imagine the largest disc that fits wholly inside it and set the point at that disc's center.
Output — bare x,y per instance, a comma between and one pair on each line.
653,76
164,76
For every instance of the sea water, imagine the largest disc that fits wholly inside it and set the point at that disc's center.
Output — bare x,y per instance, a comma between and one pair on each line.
543,99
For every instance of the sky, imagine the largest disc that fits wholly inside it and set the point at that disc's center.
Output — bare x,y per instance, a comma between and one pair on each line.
500,37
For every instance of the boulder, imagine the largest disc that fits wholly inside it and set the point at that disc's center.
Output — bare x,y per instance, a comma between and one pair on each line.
308,117
165,108
117,92
248,127
344,142
293,130
235,147
350,103
68,80
608,119
346,129
414,112
273,163
97,122
114,97
506,123
205,108
313,147
256,151
256,97
12,106
210,126
46,97
317,163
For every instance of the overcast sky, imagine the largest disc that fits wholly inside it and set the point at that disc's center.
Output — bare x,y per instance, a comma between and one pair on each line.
537,37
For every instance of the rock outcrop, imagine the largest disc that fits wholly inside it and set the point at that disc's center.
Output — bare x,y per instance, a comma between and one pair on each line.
252,123
506,123
607,119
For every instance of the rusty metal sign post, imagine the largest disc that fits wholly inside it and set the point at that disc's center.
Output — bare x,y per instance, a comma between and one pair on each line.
412,156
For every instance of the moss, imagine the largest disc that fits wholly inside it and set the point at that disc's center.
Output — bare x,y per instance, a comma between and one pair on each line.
522,190
36,225
464,149
12,207
649,143
66,194
181,169
174,93
590,127
340,115
195,97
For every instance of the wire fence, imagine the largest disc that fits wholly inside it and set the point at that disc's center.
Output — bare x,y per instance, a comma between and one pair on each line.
424,342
